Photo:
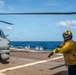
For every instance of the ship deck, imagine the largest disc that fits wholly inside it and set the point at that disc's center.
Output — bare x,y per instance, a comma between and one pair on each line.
31,62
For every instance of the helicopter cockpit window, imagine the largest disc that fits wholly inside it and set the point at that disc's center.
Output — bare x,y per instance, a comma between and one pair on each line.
2,34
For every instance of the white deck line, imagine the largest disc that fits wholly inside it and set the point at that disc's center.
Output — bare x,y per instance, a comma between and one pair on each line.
30,64
59,54
2,74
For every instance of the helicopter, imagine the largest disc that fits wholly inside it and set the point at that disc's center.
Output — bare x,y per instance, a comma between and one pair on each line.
4,44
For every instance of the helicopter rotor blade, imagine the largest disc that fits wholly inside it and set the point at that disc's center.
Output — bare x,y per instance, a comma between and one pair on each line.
40,13
6,22
36,13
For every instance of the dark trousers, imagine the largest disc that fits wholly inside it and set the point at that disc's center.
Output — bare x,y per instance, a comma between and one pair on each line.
72,70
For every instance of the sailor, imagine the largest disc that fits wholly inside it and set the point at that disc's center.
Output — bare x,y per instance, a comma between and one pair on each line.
68,48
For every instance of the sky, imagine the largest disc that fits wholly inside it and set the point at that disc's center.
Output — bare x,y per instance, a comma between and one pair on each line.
38,27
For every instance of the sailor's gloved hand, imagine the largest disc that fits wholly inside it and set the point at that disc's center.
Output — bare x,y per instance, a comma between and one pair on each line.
50,54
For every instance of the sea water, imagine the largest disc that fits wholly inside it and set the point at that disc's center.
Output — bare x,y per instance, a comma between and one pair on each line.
46,45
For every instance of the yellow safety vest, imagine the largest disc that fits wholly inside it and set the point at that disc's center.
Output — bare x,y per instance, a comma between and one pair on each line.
68,49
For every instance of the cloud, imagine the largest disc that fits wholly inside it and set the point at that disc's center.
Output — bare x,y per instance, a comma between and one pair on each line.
68,23
2,4
9,28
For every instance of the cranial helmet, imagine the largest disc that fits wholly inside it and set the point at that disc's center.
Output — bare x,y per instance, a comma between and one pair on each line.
67,35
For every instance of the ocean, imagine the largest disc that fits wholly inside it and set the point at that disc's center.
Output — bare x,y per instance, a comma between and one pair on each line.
46,45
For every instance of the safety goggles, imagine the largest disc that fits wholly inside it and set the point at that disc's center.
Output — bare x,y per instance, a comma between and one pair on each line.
66,35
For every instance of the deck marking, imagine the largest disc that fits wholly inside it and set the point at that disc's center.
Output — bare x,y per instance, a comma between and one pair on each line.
30,64
59,54
2,74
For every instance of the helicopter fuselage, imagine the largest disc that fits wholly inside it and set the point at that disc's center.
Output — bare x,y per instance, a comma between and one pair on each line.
4,46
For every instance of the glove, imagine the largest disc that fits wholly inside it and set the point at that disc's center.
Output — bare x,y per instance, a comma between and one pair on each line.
50,54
